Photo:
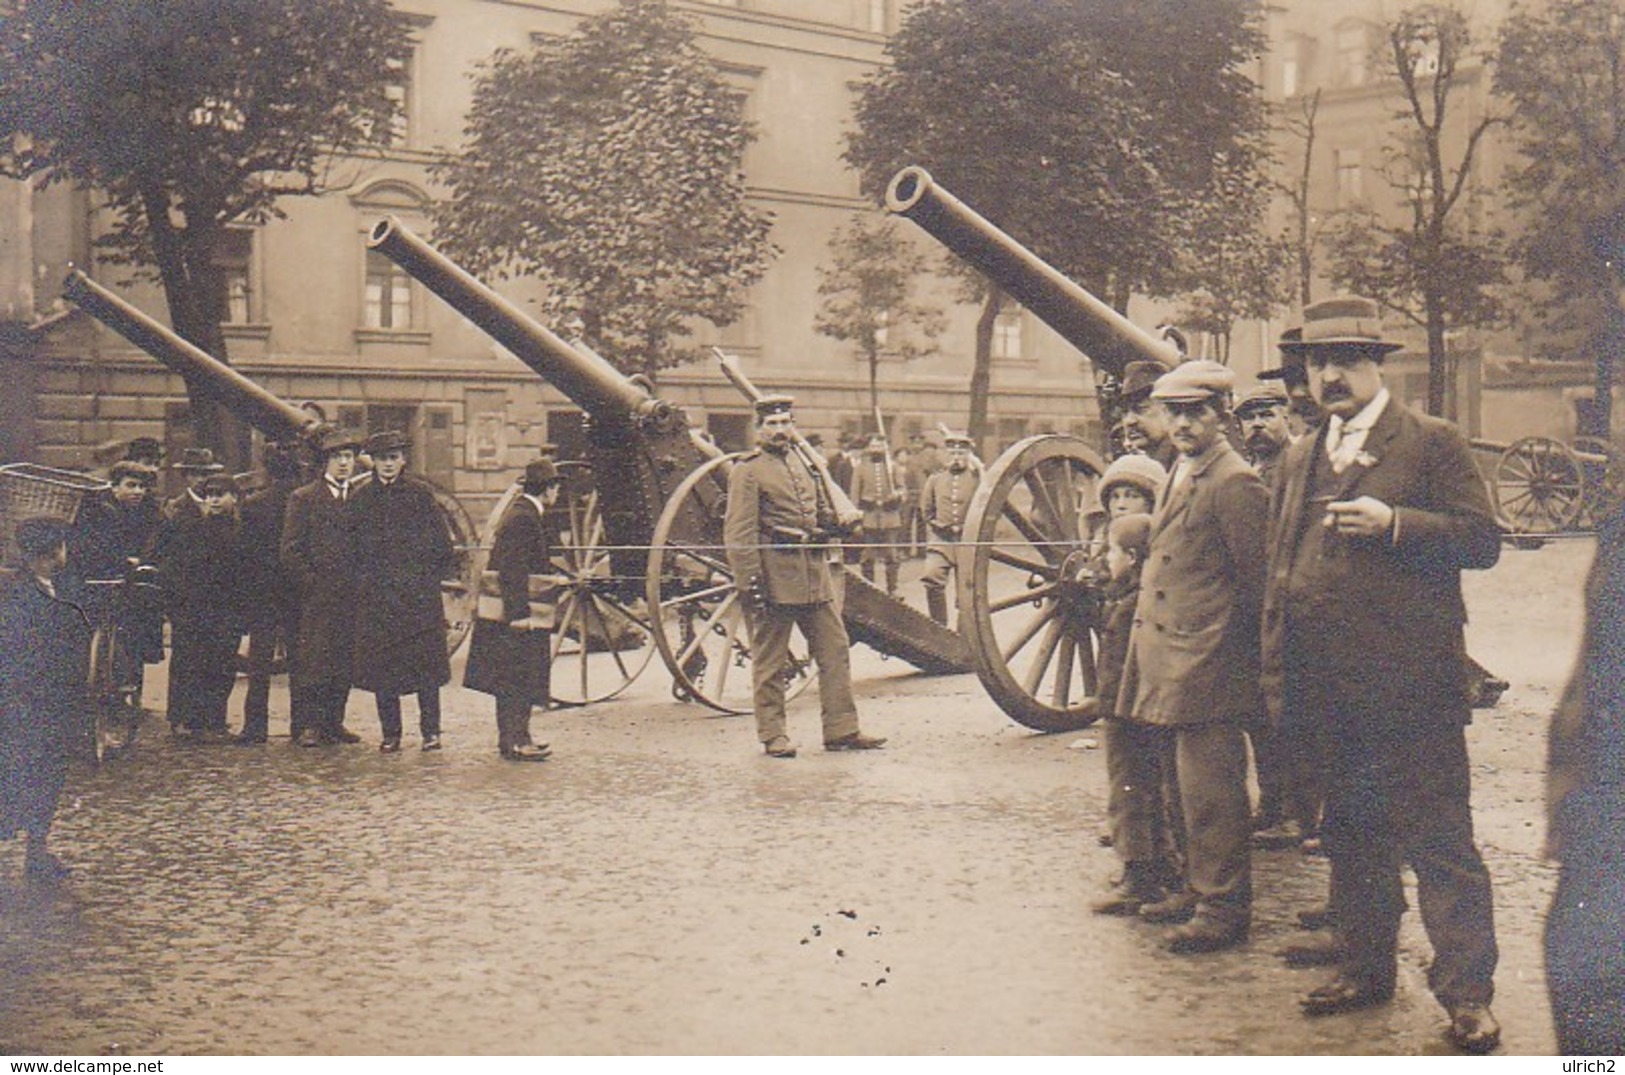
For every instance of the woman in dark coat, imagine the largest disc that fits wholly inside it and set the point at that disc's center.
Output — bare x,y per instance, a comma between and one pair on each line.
403,550
202,565
44,654
510,655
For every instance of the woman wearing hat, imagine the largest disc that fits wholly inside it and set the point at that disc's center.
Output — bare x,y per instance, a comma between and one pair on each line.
202,563
510,656
403,550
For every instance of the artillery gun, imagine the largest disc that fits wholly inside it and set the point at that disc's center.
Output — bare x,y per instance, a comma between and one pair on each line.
644,548
1029,609
277,419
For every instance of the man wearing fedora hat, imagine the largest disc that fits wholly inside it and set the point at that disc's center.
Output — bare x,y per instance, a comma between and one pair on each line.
1192,668
195,465
403,550
318,553
1145,426
1376,516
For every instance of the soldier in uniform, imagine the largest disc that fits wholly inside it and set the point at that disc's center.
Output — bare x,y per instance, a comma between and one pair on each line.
943,502
777,530
877,488
403,550
318,553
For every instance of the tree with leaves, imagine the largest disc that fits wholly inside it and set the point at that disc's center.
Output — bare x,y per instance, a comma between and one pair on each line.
1242,269
608,164
190,116
1083,128
1559,64
867,295
1434,268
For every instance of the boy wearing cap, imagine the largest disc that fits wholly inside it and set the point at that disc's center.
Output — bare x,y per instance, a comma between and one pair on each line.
1193,666
943,501
318,553
778,521
1377,515
403,550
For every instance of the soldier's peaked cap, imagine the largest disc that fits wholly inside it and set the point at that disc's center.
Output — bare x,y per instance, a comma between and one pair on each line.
775,404
1193,381
955,439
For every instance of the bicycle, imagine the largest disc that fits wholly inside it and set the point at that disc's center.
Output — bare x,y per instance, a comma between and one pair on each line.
114,676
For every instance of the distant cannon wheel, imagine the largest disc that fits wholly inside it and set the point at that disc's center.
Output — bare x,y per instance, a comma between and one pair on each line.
701,630
1604,477
1539,486
1029,609
461,584
602,640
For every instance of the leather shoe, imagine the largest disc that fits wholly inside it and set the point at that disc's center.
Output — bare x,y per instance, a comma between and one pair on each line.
248,739
780,747
431,742
1137,888
1326,949
44,866
1473,1029
1345,994
527,752
856,741
1204,934
310,737
390,746
345,735
1315,918
1176,908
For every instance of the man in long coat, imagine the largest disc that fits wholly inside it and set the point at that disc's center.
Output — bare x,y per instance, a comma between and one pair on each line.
777,529
510,656
318,553
403,550
272,604
1376,516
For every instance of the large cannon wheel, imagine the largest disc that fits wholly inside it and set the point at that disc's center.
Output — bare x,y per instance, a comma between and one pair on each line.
1604,477
701,630
1027,606
1538,486
602,641
460,587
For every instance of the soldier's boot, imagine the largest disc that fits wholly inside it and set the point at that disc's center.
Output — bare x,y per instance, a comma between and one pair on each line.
868,569
936,603
892,568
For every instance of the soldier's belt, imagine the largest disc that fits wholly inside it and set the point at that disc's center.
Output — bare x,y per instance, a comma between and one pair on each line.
789,535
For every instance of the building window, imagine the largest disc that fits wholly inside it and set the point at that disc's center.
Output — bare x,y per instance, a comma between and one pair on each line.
1007,332
1350,178
1353,55
388,300
235,259
1296,53
400,94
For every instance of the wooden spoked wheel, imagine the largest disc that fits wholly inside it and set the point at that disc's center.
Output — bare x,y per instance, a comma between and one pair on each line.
1538,487
701,628
460,587
1029,606
1604,477
602,640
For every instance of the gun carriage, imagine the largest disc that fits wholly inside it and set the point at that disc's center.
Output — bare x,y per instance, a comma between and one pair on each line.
1029,608
1541,486
277,419
644,550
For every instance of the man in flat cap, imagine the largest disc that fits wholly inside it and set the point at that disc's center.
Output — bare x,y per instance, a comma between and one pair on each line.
943,501
1145,425
777,529
1376,516
1192,669
318,553
1261,412
403,550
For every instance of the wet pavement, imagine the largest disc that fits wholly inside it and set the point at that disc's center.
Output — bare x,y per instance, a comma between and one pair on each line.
660,886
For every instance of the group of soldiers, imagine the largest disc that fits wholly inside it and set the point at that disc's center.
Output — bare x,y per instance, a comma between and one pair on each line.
1297,602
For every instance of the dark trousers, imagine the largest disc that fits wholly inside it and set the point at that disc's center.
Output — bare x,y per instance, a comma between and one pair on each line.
264,641
389,713
202,671
1585,958
320,706
1397,794
1137,758
513,722
1210,767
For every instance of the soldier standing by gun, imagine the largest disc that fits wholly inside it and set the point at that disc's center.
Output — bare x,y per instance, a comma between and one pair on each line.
878,489
943,501
779,522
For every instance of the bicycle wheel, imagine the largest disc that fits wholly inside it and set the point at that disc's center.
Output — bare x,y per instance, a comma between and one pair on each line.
115,696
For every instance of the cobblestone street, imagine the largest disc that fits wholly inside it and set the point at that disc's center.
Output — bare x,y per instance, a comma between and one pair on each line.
660,886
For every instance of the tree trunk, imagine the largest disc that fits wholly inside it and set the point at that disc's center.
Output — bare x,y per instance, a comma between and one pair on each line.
981,374
1441,389
874,385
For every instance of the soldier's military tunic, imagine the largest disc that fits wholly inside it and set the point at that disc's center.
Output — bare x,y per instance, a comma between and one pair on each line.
943,502
877,490
777,516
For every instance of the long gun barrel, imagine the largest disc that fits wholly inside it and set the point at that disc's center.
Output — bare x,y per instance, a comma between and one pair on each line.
1110,340
594,385
274,417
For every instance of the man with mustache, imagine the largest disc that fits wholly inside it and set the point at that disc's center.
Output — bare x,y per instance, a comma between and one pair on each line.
1145,425
1262,416
778,526
1374,519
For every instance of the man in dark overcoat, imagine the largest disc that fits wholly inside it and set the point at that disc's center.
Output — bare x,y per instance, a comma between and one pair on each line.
44,654
403,551
777,529
318,553
1193,662
272,604
510,656
1376,516
113,532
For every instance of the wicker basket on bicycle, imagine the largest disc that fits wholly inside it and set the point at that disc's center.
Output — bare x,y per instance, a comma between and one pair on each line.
28,490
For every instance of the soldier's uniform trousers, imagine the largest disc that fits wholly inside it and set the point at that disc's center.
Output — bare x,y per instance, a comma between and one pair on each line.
831,650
